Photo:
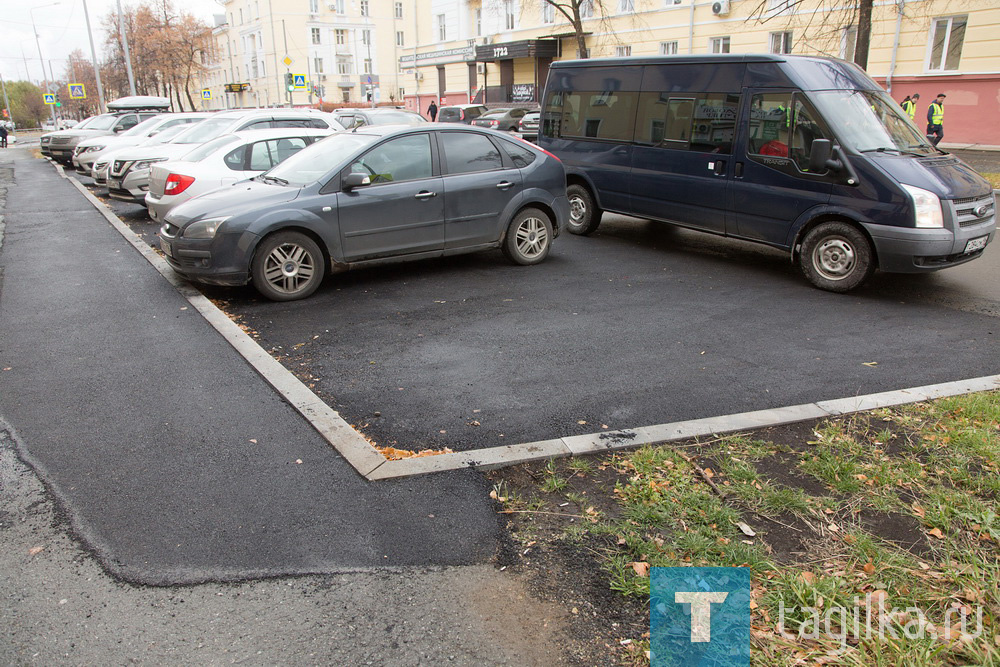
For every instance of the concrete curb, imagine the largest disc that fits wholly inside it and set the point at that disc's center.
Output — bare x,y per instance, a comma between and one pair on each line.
372,465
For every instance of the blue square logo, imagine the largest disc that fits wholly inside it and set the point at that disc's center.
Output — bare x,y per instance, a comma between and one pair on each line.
699,616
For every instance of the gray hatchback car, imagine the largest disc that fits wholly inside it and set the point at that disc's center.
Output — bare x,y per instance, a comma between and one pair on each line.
377,194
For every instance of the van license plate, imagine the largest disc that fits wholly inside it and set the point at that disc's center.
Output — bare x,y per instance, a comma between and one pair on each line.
165,247
976,244
114,183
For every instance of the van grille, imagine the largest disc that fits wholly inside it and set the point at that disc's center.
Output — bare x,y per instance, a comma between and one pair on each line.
972,211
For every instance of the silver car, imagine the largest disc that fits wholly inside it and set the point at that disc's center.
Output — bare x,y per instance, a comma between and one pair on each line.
99,170
123,114
90,151
224,161
128,174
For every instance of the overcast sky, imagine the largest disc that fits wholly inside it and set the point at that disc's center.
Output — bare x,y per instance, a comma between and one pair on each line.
61,29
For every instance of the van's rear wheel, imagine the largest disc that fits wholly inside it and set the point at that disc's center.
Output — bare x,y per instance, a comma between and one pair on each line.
836,257
584,216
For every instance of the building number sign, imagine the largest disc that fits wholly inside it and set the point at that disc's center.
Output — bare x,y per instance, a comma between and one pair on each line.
499,51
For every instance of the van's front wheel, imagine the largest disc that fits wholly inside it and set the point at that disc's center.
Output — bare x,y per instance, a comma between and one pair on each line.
584,216
836,257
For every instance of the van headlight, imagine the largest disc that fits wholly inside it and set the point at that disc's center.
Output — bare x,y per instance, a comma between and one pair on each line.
926,207
204,229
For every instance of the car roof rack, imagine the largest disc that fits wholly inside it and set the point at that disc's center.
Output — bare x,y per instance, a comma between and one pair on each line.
139,102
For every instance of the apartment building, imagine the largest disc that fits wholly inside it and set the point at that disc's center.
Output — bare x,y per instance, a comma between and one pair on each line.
500,50
345,50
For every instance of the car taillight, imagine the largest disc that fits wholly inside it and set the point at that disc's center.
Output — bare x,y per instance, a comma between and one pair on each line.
493,123
177,183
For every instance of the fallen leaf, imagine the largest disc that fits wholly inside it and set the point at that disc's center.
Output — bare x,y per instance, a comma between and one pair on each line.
298,461
808,577
641,568
745,529
709,473
493,494
253,440
581,421
869,363
869,568
936,532
918,510
35,550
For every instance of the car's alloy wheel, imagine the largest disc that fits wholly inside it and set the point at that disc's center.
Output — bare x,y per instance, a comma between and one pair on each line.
529,237
288,266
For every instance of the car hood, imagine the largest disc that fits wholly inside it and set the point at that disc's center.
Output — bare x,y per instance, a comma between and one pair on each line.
243,198
944,175
112,143
80,135
171,151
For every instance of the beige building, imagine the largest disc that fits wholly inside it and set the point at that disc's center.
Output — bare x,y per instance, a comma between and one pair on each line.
499,50
343,50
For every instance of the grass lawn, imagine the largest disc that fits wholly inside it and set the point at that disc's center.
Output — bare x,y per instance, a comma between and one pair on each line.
895,508
993,177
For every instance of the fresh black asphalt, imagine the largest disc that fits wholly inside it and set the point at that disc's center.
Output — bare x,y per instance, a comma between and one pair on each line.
172,459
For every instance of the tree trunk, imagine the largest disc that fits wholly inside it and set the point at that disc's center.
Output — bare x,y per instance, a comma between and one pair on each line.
581,39
864,33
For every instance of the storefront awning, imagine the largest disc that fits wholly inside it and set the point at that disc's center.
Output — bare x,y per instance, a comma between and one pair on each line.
525,48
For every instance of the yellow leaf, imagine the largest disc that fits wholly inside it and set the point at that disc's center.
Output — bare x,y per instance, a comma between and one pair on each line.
936,532
869,568
641,569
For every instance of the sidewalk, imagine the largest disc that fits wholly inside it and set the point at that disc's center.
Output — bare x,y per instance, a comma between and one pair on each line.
175,462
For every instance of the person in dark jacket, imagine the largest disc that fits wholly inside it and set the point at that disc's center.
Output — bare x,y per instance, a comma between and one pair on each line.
935,120
3,134
432,111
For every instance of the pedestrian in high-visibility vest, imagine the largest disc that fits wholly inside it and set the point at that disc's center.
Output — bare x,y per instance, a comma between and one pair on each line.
910,105
935,120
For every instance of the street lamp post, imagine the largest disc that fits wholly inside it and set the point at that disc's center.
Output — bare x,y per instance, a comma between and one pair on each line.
93,57
128,58
45,80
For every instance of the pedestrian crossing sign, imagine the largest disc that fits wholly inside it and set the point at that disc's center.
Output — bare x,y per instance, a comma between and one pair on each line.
299,80
77,91
49,98
206,94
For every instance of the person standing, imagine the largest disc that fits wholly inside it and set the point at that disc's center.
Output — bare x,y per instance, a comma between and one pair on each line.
935,120
432,111
3,134
910,105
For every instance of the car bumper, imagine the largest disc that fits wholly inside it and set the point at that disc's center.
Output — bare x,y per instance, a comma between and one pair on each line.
131,187
909,250
159,206
224,260
84,164
62,153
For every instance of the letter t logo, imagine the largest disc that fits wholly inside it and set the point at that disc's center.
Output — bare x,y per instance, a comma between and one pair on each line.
701,612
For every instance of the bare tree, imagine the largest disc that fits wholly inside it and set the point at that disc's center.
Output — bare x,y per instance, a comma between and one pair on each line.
575,12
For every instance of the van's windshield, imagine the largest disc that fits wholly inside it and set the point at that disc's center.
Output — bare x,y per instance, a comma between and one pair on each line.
871,121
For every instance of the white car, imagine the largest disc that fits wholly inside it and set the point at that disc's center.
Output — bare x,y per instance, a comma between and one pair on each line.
89,151
99,170
223,161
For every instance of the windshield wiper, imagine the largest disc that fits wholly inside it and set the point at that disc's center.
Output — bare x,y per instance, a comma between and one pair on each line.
268,179
883,149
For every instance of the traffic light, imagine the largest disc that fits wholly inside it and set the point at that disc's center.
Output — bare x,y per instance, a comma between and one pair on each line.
58,101
289,82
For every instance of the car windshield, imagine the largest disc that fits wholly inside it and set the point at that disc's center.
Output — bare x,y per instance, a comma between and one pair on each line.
167,134
871,121
398,117
312,163
104,122
143,128
209,147
204,131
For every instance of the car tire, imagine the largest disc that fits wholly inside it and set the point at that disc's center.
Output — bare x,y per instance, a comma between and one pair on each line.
528,238
584,215
287,266
836,257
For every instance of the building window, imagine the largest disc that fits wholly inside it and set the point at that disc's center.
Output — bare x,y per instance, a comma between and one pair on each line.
720,45
314,8
318,65
586,9
947,38
398,10
340,36
315,35
339,6
626,6
848,40
781,42
366,37
668,48
241,16
343,64
479,22
368,65
364,7
622,51
442,28
399,38
548,12
508,14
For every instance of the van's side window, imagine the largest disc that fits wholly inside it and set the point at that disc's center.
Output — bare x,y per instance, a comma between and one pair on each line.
598,114
703,122
782,125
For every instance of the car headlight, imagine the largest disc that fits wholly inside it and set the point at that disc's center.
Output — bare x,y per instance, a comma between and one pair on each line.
204,229
143,165
93,149
926,207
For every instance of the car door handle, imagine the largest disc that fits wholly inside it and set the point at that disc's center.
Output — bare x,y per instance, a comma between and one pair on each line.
503,185
720,167
739,170
425,195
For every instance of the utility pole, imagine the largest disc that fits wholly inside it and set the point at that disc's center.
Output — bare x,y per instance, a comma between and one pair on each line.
41,61
6,102
128,58
287,67
93,57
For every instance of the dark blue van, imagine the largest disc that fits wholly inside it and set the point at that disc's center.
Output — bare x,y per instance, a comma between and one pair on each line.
806,154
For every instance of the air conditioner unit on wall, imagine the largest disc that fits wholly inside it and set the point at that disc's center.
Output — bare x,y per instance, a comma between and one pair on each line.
419,76
720,7
480,68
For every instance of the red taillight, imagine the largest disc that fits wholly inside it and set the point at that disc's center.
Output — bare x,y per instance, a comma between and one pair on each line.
177,183
493,123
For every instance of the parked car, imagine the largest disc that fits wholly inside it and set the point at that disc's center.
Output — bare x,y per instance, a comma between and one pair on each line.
99,171
460,113
128,173
805,154
223,161
90,151
528,126
362,198
123,114
501,119
378,116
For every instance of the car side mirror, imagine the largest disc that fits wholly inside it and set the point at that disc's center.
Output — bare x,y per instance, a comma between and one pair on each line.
819,154
355,180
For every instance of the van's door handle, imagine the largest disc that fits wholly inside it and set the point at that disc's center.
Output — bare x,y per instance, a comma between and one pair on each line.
425,195
739,170
503,185
720,167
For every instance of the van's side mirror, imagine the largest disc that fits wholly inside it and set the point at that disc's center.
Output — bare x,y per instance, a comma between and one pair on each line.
819,154
355,180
